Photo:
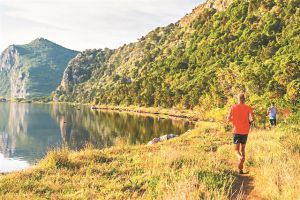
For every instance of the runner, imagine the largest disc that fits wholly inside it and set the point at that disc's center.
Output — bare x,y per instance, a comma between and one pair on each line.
272,114
240,115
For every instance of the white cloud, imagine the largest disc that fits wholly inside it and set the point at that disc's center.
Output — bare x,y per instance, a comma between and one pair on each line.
82,24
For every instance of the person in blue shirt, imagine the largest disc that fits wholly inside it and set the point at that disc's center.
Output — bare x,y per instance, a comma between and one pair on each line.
272,114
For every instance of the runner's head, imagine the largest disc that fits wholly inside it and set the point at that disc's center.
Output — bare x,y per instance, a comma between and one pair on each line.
241,97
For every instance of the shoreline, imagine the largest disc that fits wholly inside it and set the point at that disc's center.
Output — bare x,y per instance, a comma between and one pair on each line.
152,111
190,115
173,113
163,113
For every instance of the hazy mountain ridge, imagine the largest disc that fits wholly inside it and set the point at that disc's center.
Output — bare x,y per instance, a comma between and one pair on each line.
32,70
204,59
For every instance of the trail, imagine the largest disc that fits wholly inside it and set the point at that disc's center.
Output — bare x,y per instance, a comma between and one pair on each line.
244,188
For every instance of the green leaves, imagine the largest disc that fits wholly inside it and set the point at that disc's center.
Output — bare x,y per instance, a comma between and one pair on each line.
252,47
293,91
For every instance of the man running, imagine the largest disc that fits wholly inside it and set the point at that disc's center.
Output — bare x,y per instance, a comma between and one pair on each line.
240,115
272,114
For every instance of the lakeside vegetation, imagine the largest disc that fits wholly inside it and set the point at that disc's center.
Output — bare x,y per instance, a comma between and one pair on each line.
198,165
251,46
192,71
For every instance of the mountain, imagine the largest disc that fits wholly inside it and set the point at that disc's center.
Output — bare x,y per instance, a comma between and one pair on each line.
221,48
34,69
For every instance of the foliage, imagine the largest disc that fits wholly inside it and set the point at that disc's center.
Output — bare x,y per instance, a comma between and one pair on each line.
252,46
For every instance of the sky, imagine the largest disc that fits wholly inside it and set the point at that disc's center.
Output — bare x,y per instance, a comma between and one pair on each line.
86,24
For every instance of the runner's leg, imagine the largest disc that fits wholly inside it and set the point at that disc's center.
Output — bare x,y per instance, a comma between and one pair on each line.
243,147
237,150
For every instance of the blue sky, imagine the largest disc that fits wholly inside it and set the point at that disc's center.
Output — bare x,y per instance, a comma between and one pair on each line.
83,24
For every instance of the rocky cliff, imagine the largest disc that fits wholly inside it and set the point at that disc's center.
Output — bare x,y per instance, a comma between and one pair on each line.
201,10
32,70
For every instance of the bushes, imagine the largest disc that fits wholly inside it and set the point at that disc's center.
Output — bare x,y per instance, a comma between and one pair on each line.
218,56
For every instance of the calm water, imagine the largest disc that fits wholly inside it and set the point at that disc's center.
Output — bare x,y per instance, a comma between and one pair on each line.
28,131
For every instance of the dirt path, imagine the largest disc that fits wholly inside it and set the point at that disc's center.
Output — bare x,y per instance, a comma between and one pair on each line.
244,188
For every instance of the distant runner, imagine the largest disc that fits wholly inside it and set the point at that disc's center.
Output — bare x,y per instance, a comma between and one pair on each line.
272,114
240,115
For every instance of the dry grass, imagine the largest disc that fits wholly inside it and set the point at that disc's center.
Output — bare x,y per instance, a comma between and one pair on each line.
198,165
273,159
183,168
275,156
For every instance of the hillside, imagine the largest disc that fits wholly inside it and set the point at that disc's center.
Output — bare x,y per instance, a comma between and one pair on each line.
32,70
218,50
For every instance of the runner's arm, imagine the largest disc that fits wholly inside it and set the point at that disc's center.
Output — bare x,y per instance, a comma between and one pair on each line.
229,116
251,116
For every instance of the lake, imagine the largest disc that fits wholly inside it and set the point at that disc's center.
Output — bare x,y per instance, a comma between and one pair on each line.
29,131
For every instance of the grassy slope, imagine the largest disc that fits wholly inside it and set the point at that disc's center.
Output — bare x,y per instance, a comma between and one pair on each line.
200,164
275,157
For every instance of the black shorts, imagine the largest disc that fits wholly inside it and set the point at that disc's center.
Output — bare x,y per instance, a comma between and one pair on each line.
240,139
273,122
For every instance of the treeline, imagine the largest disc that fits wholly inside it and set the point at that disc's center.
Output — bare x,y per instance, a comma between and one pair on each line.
252,46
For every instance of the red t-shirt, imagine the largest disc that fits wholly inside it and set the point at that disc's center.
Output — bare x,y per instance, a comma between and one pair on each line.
239,116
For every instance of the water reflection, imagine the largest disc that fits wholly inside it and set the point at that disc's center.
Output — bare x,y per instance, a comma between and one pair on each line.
10,164
28,131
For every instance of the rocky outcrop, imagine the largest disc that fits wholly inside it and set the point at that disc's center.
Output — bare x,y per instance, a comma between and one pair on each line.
77,71
219,5
18,84
162,138
9,58
9,67
80,70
